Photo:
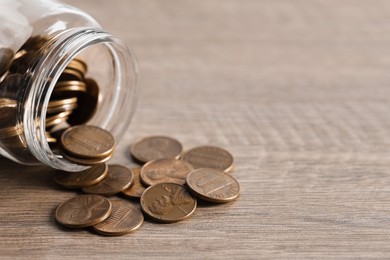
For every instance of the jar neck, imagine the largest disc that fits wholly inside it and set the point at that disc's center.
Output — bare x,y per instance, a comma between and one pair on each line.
59,51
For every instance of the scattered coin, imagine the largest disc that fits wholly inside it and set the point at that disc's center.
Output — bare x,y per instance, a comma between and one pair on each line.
165,170
136,188
118,179
125,218
88,177
88,142
209,157
156,147
83,211
167,202
213,185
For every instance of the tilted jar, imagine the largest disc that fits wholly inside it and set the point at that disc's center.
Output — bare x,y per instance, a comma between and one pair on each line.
64,33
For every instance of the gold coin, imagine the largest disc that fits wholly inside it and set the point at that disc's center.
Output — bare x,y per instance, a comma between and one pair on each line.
136,188
78,64
6,57
125,217
213,185
165,170
8,112
61,108
88,162
61,102
70,86
71,74
83,211
167,202
118,179
156,147
11,131
50,139
88,177
209,157
88,103
89,142
57,118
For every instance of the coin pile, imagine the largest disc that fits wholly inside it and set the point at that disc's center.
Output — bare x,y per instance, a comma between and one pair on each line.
74,98
167,186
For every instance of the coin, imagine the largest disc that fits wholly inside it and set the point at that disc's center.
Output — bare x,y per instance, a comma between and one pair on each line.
209,157
156,147
89,162
77,64
165,170
136,188
57,118
86,141
70,86
8,112
88,177
87,104
213,185
71,74
6,57
49,138
167,202
118,179
125,217
83,211
61,102
61,108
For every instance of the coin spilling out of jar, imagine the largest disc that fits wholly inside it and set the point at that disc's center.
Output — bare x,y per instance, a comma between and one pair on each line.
163,190
73,101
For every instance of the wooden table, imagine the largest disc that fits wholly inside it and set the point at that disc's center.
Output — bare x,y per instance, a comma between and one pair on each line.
298,91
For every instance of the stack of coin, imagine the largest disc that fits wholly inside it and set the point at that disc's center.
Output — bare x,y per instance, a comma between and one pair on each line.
74,98
167,186
87,145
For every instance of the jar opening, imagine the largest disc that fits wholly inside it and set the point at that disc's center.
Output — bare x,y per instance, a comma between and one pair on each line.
111,76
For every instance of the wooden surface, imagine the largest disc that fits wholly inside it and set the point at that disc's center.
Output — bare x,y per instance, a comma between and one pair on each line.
298,91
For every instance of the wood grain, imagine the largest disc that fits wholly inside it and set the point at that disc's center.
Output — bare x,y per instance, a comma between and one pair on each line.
297,90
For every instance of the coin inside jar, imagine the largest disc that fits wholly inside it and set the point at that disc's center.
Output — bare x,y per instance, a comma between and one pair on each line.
165,170
209,157
213,185
168,202
83,211
156,147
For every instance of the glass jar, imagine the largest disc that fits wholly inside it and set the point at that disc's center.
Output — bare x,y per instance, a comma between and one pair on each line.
59,68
